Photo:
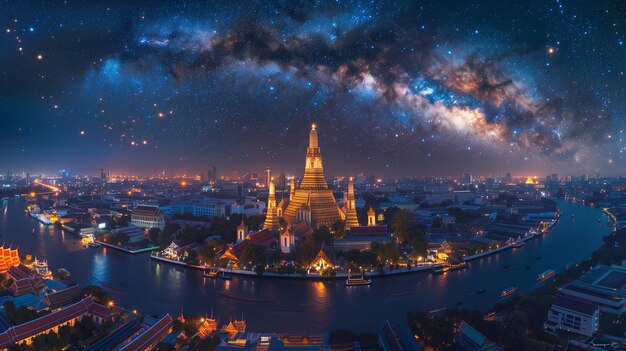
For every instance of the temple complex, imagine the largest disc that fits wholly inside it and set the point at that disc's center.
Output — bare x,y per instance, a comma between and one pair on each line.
313,200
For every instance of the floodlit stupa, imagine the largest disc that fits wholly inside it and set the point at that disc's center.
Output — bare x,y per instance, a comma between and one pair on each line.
313,201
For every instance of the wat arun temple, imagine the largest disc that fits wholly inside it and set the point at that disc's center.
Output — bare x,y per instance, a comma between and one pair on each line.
313,201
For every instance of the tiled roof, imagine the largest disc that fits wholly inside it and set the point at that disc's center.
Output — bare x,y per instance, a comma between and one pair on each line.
301,230
151,336
146,210
42,324
263,238
368,231
8,258
575,305
388,338
25,281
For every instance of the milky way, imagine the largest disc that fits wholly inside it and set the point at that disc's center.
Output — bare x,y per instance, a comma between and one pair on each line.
397,88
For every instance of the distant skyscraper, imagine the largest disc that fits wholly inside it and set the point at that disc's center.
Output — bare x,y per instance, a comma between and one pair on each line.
282,181
103,176
268,176
27,179
360,179
555,177
508,178
212,174
254,176
467,178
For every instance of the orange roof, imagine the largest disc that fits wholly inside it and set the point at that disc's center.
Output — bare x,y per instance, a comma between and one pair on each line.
8,258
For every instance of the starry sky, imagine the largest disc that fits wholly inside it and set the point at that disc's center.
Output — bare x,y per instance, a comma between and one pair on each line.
396,88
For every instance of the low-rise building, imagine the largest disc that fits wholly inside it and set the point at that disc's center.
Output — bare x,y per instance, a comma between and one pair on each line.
572,316
603,286
147,216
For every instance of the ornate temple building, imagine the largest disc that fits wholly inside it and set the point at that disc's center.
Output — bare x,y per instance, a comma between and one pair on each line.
349,207
313,200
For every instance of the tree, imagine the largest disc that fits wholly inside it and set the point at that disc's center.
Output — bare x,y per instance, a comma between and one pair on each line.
98,294
322,234
253,255
338,229
153,234
401,222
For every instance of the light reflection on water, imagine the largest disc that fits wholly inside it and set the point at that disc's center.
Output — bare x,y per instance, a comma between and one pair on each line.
136,281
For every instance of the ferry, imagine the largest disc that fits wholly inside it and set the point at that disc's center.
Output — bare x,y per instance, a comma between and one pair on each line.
508,292
211,273
519,244
573,217
570,266
545,275
441,269
93,244
459,265
224,275
358,279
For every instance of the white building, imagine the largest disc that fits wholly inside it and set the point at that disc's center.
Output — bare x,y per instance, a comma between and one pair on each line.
573,316
145,216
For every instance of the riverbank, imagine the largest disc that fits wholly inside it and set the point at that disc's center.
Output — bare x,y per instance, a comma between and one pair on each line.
373,274
309,276
147,249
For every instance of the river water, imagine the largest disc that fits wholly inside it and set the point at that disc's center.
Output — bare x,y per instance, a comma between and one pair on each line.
296,306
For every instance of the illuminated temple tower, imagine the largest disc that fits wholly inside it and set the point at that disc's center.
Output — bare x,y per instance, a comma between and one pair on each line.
313,191
350,207
271,219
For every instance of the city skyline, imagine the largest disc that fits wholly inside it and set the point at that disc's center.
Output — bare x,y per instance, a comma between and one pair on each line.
397,88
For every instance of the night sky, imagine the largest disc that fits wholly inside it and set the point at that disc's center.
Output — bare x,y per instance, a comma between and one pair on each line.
415,88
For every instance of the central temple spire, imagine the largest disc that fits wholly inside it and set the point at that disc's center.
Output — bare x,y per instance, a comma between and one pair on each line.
313,144
313,168
313,197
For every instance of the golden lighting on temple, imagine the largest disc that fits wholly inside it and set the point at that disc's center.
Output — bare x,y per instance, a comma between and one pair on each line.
531,181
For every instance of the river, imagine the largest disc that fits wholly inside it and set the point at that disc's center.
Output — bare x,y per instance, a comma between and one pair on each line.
296,306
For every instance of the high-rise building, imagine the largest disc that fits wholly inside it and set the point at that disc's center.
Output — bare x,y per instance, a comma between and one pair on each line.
268,176
313,197
282,181
508,178
212,174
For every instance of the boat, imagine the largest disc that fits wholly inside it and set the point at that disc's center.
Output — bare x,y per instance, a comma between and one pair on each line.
358,279
441,269
33,233
570,266
599,220
546,275
508,292
224,275
459,265
94,244
573,217
519,244
481,291
210,273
